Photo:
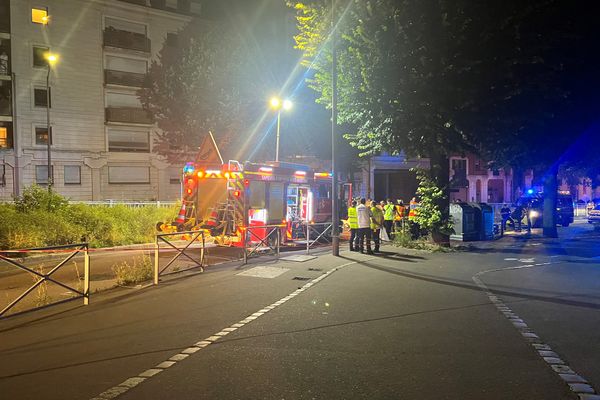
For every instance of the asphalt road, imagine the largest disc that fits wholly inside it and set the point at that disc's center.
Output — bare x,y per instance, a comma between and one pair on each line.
403,325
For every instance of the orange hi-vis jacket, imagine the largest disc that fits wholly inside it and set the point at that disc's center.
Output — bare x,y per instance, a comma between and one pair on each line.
412,213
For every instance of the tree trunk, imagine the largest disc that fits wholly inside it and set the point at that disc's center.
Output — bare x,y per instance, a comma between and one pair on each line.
440,174
549,212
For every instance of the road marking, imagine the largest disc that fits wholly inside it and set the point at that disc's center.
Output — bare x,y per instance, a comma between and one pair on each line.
130,383
264,272
577,383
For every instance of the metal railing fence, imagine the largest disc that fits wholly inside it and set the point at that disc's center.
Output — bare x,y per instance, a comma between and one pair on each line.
47,277
320,229
186,239
270,240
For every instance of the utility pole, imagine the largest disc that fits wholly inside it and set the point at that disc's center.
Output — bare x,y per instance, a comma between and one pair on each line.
335,232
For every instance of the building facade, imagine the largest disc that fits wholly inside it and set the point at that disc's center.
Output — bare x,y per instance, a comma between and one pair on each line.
471,180
101,137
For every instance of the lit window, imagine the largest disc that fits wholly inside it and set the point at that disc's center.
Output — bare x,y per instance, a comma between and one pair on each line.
39,16
41,136
3,137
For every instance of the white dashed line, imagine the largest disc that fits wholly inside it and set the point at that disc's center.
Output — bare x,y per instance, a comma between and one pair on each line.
576,383
132,382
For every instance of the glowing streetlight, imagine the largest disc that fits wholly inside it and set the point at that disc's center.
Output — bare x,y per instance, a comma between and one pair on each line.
278,104
51,60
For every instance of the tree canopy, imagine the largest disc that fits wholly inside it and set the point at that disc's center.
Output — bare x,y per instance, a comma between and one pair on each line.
444,77
204,83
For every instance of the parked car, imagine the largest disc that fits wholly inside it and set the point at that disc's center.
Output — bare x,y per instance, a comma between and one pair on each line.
535,206
594,216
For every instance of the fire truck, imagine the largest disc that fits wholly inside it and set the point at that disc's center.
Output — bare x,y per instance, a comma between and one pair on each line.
226,199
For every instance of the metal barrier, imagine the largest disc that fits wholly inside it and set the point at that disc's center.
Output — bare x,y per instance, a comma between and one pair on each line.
313,227
188,237
271,232
45,278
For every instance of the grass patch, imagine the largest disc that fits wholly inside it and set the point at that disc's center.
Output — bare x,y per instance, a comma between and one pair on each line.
38,219
141,270
404,239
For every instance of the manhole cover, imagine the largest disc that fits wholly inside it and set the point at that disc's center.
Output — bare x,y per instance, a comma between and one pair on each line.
300,278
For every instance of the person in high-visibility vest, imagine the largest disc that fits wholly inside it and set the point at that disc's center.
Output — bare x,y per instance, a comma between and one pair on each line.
389,212
399,218
377,220
353,224
412,218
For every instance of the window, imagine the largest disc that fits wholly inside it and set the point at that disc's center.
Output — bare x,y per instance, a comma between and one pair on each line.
122,100
128,175
5,135
39,56
128,140
39,16
72,175
41,135
40,98
5,98
124,64
174,175
171,40
41,174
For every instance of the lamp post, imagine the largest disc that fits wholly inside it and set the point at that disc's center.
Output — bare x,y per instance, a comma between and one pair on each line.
278,104
335,217
51,59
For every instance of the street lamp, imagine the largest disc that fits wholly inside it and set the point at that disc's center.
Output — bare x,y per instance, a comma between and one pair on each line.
278,104
51,60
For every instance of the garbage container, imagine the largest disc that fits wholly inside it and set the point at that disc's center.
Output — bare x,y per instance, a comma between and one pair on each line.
466,226
485,221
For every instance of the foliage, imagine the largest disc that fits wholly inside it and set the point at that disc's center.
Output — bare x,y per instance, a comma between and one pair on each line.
404,239
446,77
29,223
205,83
37,198
429,215
141,270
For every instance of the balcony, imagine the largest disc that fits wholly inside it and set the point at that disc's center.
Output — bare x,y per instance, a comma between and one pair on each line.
122,78
129,115
126,40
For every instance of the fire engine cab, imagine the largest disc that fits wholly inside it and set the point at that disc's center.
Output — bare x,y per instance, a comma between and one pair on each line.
225,199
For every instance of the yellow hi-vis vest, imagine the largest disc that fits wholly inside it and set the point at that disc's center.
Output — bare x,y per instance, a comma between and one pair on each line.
388,212
352,218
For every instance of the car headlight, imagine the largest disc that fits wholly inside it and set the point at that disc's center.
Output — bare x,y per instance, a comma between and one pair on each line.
534,214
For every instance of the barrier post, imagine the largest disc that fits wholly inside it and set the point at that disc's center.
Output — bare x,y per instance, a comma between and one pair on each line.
156,251
86,276
278,241
307,237
244,244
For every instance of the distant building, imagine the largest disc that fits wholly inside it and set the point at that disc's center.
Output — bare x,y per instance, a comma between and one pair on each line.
386,176
101,138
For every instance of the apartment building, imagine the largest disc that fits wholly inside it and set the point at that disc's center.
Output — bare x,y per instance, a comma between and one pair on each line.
100,136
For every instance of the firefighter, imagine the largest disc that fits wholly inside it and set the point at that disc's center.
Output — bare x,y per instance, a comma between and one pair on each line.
363,217
389,212
412,218
377,220
353,224
399,218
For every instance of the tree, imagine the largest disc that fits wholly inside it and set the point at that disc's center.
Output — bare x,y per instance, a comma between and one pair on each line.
413,75
442,77
204,83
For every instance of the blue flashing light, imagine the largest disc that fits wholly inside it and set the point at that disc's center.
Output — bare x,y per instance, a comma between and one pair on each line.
530,191
189,168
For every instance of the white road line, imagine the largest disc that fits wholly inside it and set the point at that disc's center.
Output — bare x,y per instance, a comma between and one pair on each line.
577,383
130,383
